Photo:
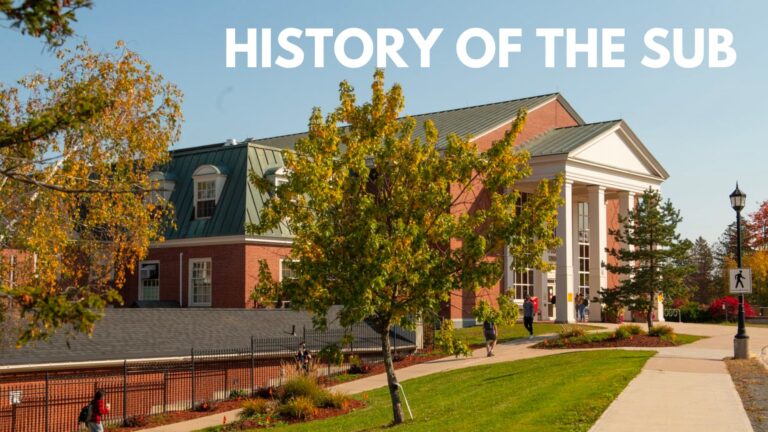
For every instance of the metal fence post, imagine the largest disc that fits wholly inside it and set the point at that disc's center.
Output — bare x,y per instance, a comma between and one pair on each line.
253,369
125,392
47,413
192,356
165,389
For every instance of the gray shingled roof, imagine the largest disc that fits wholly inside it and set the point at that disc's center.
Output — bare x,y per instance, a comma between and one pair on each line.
468,121
564,140
155,333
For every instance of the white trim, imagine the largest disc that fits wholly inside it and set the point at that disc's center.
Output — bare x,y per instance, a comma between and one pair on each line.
221,240
141,263
190,291
280,276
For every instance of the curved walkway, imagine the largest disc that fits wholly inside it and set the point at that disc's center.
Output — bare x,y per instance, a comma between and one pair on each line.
680,389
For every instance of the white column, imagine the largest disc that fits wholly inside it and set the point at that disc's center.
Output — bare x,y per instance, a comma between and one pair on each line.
626,203
598,232
564,279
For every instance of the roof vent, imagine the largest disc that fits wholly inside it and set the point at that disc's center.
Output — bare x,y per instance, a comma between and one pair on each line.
230,142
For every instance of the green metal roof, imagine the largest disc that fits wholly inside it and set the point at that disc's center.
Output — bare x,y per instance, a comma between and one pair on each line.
469,121
564,140
240,201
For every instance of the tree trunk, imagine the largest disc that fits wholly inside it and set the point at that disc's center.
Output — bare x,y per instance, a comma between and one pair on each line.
650,311
394,392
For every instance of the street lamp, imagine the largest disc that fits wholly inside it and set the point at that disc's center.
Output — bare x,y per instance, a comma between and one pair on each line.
741,341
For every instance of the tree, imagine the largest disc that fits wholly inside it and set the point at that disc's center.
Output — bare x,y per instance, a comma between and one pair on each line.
702,260
76,149
757,228
654,261
379,217
49,19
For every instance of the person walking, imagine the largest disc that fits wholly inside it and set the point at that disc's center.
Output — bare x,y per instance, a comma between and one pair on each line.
489,330
528,315
577,305
98,409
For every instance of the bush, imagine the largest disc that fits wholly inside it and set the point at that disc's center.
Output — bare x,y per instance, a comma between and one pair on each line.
662,331
256,407
357,365
204,406
447,342
694,312
331,354
731,306
238,394
570,332
136,421
302,386
333,400
299,408
626,331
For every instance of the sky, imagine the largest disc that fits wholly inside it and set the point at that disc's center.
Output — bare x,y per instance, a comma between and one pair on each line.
704,124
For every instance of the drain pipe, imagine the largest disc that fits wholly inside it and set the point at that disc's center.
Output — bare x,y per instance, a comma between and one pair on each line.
181,278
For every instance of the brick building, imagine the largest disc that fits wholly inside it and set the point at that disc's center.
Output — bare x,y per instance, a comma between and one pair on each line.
207,260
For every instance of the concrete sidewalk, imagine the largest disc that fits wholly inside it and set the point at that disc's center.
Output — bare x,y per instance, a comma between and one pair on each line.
680,389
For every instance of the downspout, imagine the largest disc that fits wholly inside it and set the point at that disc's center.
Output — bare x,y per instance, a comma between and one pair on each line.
181,279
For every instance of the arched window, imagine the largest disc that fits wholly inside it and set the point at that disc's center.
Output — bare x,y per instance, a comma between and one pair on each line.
209,182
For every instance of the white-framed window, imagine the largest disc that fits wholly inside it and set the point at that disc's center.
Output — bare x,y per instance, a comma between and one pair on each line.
208,184
149,280
286,269
583,209
277,176
522,283
200,281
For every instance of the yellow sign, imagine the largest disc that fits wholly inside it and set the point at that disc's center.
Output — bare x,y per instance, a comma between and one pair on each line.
570,297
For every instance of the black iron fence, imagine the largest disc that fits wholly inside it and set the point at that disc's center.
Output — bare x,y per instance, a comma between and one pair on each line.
51,401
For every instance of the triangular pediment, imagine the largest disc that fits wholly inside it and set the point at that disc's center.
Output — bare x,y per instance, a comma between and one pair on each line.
619,149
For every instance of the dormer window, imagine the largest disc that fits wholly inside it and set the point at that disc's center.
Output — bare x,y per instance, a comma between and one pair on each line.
209,182
277,176
162,185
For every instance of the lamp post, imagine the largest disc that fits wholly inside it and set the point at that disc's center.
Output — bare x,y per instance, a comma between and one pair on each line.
741,341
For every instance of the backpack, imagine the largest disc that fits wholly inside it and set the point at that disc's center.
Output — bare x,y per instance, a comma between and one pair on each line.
85,414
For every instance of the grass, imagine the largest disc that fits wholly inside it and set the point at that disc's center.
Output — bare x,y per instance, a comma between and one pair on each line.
682,339
474,335
565,392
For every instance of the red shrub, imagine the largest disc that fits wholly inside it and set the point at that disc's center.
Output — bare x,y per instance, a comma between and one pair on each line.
731,305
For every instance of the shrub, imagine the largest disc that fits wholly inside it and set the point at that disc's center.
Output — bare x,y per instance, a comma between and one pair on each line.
694,312
357,365
731,306
204,406
266,392
626,331
570,332
331,354
663,332
257,407
302,386
333,400
136,421
238,394
299,408
447,342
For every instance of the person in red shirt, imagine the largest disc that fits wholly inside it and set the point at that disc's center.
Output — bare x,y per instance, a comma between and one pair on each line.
98,409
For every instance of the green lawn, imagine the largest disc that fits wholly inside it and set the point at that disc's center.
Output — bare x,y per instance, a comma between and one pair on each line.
474,335
562,392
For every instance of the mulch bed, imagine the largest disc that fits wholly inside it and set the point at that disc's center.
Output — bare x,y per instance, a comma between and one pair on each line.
378,368
320,414
751,380
634,341
223,406
180,416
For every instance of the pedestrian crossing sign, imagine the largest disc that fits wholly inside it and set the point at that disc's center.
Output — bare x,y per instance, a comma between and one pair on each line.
740,281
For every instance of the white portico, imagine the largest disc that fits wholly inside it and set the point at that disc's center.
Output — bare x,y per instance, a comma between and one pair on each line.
606,167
